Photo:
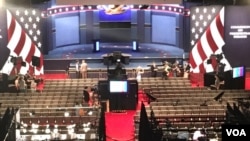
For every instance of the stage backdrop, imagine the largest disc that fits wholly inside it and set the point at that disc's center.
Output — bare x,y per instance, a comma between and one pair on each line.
20,37
147,26
67,30
237,35
164,29
219,30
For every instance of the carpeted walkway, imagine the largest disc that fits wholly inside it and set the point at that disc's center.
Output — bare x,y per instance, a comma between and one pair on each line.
120,126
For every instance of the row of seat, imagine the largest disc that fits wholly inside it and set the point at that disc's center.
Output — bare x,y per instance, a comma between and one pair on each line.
185,106
54,105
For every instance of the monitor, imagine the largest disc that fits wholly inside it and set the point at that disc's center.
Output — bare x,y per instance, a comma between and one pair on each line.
118,86
238,72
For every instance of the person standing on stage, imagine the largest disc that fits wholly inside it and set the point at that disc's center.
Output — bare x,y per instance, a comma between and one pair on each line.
22,85
78,74
186,69
84,69
139,72
153,70
166,71
176,70
17,84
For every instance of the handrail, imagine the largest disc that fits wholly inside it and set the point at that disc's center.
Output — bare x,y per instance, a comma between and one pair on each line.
6,136
60,108
12,121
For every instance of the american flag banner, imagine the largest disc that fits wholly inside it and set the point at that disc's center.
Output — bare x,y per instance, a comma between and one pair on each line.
24,41
207,38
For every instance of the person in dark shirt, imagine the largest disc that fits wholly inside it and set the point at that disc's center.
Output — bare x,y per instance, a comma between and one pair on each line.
86,95
153,69
118,68
77,67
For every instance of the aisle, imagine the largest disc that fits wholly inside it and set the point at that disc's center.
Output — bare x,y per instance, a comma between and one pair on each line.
120,126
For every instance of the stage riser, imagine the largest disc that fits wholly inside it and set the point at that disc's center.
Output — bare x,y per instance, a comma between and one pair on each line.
63,64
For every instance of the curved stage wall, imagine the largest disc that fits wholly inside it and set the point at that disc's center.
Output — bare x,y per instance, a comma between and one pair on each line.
147,26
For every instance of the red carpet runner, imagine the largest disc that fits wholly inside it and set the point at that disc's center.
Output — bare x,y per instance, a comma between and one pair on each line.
120,126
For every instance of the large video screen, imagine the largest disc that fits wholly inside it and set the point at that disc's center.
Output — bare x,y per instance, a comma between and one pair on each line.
115,23
237,35
115,13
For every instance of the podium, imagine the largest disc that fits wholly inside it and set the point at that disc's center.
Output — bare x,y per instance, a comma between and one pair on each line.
111,58
119,101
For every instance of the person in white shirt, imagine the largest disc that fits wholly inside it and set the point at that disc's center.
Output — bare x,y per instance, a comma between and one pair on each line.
17,83
22,85
198,134
139,72
166,71
84,69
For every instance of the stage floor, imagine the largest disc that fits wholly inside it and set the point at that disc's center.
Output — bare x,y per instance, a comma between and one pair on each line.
146,55
86,51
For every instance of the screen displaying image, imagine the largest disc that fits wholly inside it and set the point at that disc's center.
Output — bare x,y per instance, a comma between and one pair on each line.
238,72
114,13
118,86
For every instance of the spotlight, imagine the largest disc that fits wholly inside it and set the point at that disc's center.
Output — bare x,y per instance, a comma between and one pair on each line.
96,45
13,59
209,61
135,45
219,57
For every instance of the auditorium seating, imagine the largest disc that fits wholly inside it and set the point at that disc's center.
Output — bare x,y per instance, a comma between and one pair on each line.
186,108
53,108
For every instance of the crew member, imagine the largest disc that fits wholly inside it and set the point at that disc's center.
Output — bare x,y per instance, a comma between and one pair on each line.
78,75
139,72
84,69
153,69
199,135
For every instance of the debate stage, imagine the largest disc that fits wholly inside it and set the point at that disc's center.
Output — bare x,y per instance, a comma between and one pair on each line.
59,59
